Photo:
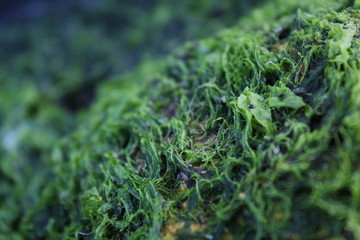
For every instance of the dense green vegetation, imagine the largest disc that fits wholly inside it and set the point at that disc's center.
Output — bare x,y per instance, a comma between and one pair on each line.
50,67
253,133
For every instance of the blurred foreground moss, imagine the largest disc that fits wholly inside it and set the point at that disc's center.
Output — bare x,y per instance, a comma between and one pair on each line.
251,134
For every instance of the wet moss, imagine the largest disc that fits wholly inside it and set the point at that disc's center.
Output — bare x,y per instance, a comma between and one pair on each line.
240,140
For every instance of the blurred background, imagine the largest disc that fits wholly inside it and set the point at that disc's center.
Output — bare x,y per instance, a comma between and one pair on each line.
54,54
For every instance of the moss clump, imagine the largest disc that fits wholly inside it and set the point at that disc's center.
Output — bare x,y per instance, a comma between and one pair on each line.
50,67
251,134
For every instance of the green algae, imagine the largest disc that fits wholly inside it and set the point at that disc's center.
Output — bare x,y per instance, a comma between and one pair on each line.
50,67
251,134
248,135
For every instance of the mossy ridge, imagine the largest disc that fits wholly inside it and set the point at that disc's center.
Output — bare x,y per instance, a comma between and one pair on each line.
209,167
50,67
212,168
242,136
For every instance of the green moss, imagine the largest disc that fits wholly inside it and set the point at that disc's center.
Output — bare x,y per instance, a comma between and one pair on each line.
50,67
251,134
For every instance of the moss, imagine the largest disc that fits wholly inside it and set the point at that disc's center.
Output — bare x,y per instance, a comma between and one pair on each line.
251,134
50,67
236,140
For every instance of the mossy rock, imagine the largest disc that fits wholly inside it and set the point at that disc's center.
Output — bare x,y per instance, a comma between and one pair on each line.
251,134
50,68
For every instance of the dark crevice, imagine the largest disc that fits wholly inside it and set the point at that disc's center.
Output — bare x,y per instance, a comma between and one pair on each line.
78,99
